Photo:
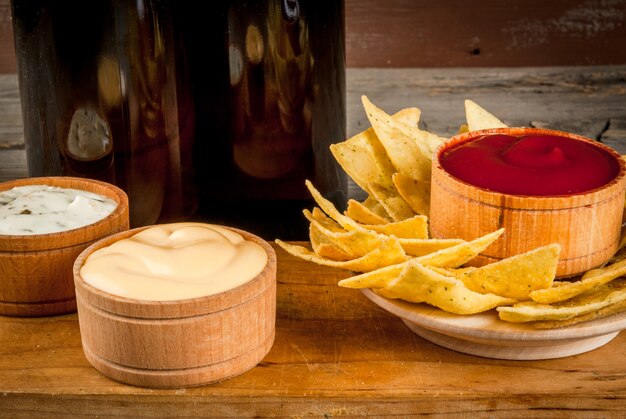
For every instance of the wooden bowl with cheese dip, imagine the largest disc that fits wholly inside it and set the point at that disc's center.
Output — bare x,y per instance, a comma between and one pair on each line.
45,223
176,305
542,186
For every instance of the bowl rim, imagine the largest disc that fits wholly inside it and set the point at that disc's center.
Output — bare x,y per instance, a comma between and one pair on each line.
75,236
521,201
152,309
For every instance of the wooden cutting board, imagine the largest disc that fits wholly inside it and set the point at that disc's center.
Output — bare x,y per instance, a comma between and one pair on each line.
336,353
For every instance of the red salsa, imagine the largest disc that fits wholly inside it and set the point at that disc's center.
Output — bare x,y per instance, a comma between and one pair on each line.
534,165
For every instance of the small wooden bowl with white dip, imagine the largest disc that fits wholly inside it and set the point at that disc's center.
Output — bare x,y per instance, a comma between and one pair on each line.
36,269
176,309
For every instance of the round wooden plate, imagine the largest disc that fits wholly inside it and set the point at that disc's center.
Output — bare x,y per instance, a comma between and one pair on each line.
485,335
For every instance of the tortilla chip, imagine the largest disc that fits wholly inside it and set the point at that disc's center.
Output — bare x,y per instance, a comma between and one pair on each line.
416,193
516,276
364,159
594,300
388,253
564,290
478,118
403,151
328,207
418,284
325,249
374,279
455,256
356,243
408,116
362,214
393,203
422,247
415,227
609,310
427,141
321,217
373,205
364,239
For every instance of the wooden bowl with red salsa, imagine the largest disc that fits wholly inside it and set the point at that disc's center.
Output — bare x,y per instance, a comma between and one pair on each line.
542,186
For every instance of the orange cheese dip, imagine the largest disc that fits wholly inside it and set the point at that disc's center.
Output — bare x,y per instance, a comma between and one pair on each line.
174,262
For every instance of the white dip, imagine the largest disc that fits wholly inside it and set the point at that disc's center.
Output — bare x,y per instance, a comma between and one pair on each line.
41,209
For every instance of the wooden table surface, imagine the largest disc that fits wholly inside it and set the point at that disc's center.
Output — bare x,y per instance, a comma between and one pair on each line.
336,353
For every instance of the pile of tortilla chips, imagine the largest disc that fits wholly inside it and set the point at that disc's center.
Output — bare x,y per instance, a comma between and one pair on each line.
385,238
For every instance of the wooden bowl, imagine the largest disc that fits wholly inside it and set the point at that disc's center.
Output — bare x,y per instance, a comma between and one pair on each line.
587,225
36,270
181,343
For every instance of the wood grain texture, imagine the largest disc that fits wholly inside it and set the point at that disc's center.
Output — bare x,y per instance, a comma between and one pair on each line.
175,344
36,270
586,225
334,356
486,33
589,101
458,33
584,100
7,49
10,113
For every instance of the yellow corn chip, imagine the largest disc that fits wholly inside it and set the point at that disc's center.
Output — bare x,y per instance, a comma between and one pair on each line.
360,241
596,299
516,276
364,159
362,214
609,310
388,253
328,207
328,251
416,193
380,277
427,142
372,204
422,247
418,284
393,203
322,218
325,248
374,279
356,243
478,118
415,227
408,116
455,256
403,151
566,290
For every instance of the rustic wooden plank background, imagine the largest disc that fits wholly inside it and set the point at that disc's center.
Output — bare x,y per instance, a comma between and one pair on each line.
462,33
587,100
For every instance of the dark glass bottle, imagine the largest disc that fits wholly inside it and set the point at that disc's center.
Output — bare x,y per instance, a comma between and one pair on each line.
215,111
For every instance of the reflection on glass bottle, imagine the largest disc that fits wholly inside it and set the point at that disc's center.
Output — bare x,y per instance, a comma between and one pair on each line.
230,104
283,106
99,98
276,82
89,136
